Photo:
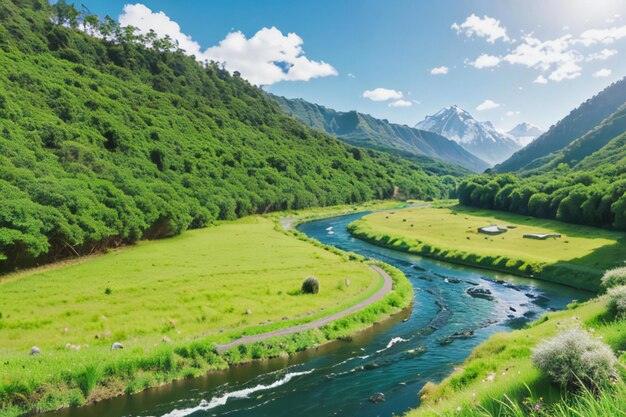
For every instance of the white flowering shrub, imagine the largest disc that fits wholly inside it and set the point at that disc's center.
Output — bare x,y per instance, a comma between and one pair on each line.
613,278
573,359
616,302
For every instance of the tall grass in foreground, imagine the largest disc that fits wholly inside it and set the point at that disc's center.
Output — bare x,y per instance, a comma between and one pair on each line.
608,402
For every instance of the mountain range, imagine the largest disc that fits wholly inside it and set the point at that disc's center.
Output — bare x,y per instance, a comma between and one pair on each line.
479,138
364,130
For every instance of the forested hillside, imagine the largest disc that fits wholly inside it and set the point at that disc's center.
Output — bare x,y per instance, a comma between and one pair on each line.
576,124
105,141
359,129
582,182
586,145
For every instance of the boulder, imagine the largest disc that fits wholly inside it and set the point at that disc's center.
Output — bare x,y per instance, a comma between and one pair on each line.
476,292
35,351
117,345
377,398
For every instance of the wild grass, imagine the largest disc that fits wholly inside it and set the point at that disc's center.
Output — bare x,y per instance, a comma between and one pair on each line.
499,378
578,258
168,302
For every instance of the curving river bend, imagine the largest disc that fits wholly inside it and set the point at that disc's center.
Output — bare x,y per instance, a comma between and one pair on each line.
396,357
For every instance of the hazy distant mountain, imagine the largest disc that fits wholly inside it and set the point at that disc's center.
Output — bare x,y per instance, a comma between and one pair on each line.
525,133
579,122
433,151
479,138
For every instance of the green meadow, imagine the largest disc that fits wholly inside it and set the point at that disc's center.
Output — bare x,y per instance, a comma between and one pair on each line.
578,258
167,301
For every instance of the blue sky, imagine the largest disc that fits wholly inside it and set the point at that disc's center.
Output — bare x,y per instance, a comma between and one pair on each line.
541,58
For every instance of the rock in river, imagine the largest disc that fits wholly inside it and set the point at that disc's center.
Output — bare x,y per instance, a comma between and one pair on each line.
480,293
377,398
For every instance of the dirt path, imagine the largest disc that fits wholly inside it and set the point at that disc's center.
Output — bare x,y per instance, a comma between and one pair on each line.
386,288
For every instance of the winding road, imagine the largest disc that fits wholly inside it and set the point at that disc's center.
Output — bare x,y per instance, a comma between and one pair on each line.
379,295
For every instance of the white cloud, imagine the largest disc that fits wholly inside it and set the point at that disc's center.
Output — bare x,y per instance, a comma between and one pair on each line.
511,113
601,73
602,55
485,27
555,56
382,94
401,103
265,58
558,59
487,105
605,36
565,71
439,70
486,61
613,18
351,75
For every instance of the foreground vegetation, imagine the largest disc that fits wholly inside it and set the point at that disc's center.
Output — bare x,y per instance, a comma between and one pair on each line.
500,379
577,259
167,302
108,140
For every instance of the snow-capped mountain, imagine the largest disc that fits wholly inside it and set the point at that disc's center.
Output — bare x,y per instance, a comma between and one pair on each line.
525,133
479,138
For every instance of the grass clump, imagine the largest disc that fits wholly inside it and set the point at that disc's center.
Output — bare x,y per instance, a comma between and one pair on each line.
613,278
616,303
574,360
311,285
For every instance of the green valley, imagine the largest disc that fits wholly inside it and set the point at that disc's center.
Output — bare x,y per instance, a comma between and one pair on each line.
181,236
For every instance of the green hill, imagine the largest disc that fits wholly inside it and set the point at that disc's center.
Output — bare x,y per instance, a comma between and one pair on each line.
360,129
105,141
591,143
579,122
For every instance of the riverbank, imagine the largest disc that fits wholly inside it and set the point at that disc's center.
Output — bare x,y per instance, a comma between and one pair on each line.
499,377
576,259
177,316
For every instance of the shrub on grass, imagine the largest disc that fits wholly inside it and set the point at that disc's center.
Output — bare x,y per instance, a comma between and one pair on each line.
310,286
613,278
616,303
574,360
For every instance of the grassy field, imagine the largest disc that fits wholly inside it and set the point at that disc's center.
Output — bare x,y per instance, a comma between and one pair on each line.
167,301
577,259
501,368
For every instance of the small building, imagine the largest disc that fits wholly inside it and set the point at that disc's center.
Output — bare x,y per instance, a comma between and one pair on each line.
492,230
542,236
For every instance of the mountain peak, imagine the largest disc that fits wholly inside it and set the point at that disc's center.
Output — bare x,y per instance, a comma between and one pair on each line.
525,133
479,138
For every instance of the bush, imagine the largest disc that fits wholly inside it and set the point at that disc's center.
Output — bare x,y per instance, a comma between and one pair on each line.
310,286
613,278
616,303
574,360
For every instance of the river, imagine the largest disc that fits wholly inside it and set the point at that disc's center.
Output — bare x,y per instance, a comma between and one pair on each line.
395,358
